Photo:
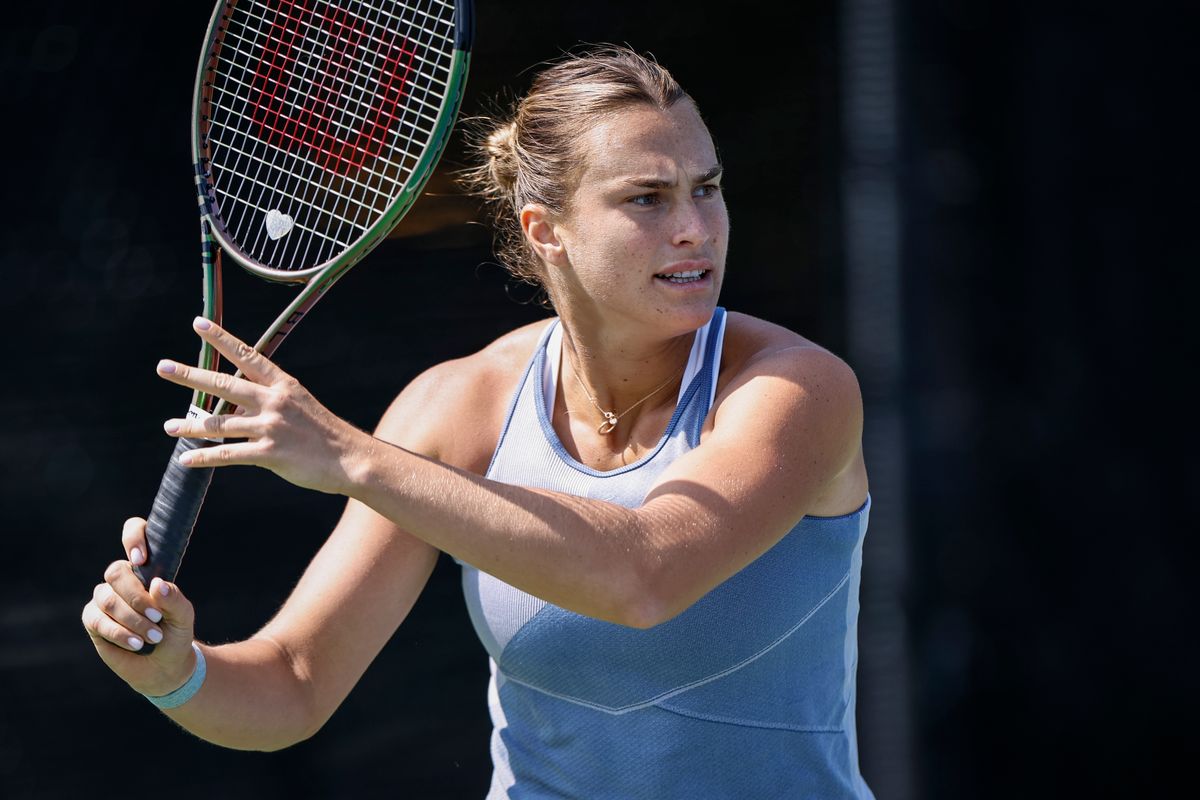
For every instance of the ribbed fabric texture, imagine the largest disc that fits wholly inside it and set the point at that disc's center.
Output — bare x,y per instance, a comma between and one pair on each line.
747,694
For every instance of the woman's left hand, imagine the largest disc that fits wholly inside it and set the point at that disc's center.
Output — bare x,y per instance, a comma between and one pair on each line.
286,430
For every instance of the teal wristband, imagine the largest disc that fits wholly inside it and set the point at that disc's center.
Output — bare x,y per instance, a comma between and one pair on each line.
185,692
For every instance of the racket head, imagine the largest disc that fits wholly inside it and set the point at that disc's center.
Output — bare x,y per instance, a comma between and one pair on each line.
316,123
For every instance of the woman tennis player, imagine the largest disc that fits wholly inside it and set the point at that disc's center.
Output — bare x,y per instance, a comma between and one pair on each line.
659,506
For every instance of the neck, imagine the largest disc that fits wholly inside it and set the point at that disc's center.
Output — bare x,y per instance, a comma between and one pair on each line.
625,378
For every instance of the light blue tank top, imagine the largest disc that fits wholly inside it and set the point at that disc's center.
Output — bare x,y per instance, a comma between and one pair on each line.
749,693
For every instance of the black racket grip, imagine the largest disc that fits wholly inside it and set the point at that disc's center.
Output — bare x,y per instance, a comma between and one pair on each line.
172,518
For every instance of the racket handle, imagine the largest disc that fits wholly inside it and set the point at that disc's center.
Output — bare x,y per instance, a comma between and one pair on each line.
172,518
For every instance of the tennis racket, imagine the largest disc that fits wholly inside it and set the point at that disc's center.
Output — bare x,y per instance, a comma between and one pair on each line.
315,124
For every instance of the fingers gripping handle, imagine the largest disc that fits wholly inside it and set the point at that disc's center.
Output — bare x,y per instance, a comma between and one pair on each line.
173,516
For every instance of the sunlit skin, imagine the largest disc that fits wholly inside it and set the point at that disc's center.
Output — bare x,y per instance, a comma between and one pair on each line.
782,441
648,202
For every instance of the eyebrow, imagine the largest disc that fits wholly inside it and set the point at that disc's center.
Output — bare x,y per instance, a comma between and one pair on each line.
657,183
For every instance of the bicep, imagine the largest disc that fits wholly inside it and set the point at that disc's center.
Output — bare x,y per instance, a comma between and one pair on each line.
782,435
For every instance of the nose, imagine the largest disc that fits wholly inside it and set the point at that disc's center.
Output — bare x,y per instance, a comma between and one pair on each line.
692,228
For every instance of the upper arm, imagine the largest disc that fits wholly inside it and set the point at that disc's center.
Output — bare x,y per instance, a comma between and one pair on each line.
366,577
786,430
364,580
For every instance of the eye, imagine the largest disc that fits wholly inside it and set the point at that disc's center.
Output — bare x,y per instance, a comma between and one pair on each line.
644,200
706,190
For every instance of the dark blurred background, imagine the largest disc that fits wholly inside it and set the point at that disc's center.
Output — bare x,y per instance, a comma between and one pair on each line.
980,205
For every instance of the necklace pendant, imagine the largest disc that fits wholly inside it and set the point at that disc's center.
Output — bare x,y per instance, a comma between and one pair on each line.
610,422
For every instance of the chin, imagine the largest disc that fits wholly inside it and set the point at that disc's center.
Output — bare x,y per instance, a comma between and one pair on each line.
689,316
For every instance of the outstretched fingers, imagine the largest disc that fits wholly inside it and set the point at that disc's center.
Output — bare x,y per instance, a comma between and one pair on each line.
248,389
236,390
225,455
253,364
281,426
216,426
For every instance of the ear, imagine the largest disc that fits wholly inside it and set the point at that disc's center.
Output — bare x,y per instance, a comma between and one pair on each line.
542,234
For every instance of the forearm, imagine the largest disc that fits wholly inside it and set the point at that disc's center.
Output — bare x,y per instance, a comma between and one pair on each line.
252,699
772,453
590,556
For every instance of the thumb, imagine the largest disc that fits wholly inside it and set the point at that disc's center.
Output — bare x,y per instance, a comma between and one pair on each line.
133,539
178,615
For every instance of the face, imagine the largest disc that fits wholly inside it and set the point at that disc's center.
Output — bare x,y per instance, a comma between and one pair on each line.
644,237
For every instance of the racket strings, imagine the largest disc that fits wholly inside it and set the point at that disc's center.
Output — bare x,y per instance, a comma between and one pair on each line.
273,49
318,113
352,70
381,194
311,84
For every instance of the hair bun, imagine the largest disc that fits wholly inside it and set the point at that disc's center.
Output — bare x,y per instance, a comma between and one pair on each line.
500,141
501,147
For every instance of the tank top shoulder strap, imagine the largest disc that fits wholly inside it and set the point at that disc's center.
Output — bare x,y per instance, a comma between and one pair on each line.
705,353
699,388
538,382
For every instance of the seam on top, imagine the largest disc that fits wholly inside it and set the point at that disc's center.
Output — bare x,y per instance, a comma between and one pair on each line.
678,689
750,723
866,506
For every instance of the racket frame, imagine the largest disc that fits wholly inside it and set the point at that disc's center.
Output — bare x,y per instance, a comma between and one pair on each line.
319,278
184,487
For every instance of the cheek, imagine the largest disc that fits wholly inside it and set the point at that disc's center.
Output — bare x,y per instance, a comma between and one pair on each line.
614,244
721,220
606,245
720,228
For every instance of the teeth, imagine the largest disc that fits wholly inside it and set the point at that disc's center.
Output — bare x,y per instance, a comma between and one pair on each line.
691,273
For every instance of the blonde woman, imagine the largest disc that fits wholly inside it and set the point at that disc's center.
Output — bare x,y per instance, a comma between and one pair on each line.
658,506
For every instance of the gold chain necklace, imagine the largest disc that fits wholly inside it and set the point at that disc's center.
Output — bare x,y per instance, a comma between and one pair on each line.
611,418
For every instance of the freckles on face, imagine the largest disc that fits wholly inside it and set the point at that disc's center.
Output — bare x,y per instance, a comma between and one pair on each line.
647,196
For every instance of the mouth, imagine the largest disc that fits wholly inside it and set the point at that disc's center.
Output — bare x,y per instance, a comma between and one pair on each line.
685,276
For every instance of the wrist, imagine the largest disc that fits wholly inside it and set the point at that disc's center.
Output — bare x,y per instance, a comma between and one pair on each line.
358,464
188,688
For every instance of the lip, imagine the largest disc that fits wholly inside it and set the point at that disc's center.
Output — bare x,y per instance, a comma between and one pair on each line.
686,266
704,284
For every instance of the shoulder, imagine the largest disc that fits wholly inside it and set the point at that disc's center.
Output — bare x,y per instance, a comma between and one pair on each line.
454,411
770,356
786,402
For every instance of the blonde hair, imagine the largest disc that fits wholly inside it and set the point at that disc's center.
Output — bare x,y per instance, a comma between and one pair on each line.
533,156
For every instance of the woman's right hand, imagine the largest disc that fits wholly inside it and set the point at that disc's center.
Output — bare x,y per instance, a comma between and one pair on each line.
122,615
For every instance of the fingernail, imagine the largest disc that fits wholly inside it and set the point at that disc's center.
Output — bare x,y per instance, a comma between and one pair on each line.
171,426
166,367
164,588
135,555
201,324
154,635
154,615
185,459
135,643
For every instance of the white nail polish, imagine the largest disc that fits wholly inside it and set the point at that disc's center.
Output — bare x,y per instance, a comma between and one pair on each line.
153,614
135,555
135,643
154,635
